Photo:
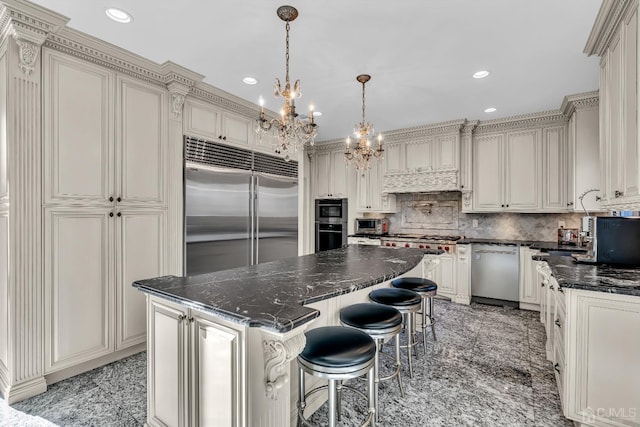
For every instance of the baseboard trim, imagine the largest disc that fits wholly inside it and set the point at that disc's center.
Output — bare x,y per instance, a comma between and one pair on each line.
529,306
24,390
63,374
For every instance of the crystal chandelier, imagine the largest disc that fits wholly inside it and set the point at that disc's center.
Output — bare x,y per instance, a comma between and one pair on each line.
287,132
362,151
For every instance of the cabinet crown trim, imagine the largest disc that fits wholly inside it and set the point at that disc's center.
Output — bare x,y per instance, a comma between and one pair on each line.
609,16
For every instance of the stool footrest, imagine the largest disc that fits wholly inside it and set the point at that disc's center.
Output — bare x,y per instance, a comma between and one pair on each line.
304,421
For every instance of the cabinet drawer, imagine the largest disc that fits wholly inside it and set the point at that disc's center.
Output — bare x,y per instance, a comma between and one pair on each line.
559,327
559,372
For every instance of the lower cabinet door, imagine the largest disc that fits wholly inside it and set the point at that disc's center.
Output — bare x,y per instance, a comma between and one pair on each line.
141,255
78,285
215,374
167,369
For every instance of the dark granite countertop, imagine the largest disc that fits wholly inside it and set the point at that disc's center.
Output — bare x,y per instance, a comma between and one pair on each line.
593,277
533,244
272,295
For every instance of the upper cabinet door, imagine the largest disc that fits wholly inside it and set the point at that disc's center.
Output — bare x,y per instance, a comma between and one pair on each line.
238,130
201,120
141,141
78,131
339,184
487,172
554,169
522,187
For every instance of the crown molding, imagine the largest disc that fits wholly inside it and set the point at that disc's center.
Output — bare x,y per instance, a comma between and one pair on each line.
29,25
581,101
522,121
206,92
607,21
401,135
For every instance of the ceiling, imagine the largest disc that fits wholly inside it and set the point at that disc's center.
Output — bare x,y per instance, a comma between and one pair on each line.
421,53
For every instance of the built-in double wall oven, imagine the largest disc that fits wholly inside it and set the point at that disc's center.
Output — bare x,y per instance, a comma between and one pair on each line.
331,224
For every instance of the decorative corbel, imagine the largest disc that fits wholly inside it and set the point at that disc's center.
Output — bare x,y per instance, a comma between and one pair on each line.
177,101
178,93
466,197
277,354
28,55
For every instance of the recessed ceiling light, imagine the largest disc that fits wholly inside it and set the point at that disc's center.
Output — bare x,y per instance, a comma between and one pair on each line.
249,81
480,74
490,110
118,15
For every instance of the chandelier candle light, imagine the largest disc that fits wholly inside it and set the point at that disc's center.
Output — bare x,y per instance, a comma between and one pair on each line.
288,132
362,151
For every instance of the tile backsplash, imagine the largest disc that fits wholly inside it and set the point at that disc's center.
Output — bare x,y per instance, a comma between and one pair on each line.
440,214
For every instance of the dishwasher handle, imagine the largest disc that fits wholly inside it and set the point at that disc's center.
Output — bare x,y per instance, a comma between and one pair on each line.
489,251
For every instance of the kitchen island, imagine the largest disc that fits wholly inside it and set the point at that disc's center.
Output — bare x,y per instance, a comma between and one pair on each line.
591,314
220,345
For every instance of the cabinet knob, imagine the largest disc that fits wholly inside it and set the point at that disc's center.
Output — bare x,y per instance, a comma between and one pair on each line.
111,214
570,204
119,214
598,198
557,322
119,199
111,199
542,284
182,317
502,206
557,367
618,193
224,138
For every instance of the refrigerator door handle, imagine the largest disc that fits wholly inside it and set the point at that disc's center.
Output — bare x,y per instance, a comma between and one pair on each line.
257,217
252,218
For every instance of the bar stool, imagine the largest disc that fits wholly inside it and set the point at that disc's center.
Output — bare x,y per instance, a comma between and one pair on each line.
380,322
336,353
407,303
427,289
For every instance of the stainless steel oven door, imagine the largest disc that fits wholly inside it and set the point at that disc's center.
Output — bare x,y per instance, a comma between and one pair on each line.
331,210
330,236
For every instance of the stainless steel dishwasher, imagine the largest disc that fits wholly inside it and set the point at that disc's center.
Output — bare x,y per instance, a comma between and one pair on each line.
494,273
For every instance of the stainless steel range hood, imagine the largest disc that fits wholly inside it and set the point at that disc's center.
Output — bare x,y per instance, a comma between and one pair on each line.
421,181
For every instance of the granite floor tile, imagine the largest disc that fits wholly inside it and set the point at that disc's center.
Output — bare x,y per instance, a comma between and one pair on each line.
487,367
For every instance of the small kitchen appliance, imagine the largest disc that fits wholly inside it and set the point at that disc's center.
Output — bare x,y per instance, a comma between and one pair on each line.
616,241
568,236
376,226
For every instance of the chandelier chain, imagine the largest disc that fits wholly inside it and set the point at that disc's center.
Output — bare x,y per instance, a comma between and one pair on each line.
287,55
363,122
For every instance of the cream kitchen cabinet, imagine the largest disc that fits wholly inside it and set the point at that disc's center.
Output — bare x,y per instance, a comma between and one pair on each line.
92,255
529,285
583,154
619,149
506,170
554,170
206,121
117,151
601,349
104,209
332,176
441,269
195,375
369,190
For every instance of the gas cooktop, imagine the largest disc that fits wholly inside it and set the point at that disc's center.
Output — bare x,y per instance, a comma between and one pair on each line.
430,237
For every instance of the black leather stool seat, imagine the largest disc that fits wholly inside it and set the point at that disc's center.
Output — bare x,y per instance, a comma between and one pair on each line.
416,284
395,296
370,316
338,347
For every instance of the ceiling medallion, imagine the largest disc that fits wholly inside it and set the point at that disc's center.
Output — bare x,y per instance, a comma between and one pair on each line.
287,132
362,151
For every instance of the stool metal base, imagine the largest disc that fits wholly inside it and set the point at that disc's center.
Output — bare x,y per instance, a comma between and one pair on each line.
379,335
335,376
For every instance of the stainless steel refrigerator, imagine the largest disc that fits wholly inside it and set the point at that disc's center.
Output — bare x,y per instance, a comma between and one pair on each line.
236,218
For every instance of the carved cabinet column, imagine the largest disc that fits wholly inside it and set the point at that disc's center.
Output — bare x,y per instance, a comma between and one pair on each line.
21,285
